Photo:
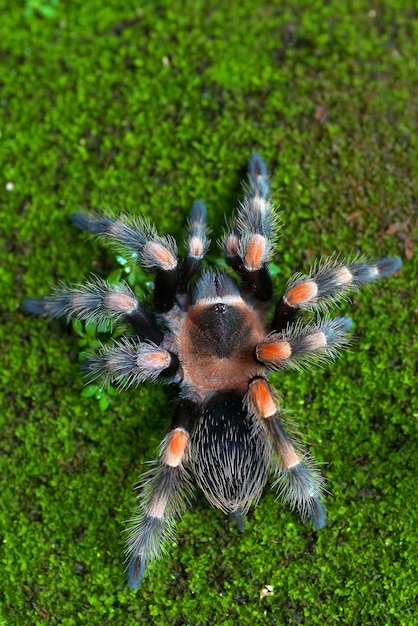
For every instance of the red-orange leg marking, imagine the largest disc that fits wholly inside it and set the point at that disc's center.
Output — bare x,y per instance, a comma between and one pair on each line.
255,251
302,294
176,447
261,399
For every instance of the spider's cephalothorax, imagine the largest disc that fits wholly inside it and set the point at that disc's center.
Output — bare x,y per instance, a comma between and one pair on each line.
211,339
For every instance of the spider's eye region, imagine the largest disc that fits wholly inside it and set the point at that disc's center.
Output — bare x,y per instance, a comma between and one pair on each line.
219,328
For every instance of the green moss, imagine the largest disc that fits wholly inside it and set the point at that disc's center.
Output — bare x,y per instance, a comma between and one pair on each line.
147,108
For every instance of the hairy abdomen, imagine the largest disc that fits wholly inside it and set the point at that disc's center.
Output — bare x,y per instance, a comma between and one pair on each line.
230,454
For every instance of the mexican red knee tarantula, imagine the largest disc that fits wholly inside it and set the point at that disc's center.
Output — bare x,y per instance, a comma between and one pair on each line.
211,339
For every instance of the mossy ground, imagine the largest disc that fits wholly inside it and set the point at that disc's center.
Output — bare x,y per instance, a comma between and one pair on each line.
147,107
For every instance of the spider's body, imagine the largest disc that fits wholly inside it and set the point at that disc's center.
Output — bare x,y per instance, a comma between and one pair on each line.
212,339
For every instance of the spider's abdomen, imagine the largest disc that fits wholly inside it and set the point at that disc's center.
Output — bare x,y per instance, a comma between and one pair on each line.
230,454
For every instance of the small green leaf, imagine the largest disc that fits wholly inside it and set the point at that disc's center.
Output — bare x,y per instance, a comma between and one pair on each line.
104,403
104,327
91,329
89,391
78,327
114,277
274,269
132,279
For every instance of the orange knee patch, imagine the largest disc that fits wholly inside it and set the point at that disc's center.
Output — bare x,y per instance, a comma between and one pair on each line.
301,294
261,398
196,247
231,244
288,455
120,302
274,351
315,341
163,257
158,360
176,447
255,252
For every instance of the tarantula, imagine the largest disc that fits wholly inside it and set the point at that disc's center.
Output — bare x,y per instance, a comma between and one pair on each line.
211,339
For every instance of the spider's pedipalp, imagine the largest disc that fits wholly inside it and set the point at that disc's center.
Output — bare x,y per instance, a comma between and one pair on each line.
249,242
127,363
256,217
258,177
329,281
164,492
301,485
197,240
197,245
302,345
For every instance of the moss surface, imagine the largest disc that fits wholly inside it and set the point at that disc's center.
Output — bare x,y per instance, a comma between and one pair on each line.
147,107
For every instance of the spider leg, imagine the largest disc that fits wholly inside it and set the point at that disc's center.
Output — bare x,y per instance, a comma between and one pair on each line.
236,516
97,301
328,282
197,245
153,252
300,483
249,243
302,345
127,363
164,494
